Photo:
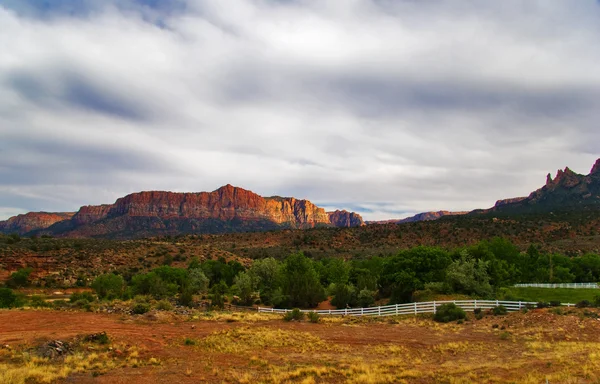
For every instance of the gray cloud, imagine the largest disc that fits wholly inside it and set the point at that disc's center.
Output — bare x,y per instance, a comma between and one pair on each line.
385,107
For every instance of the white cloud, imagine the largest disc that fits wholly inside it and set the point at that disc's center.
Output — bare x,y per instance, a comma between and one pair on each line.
392,106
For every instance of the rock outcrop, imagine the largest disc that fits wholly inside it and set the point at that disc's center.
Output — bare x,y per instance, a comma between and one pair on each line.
32,221
228,209
567,190
344,218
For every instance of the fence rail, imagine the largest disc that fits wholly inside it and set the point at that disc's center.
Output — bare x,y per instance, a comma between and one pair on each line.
559,285
415,308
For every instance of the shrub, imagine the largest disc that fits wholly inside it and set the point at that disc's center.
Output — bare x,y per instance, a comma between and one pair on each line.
294,314
555,303
82,296
186,298
314,317
448,312
597,301
366,298
108,286
189,341
557,311
583,304
164,305
590,314
140,308
542,304
19,278
477,311
38,301
8,299
499,310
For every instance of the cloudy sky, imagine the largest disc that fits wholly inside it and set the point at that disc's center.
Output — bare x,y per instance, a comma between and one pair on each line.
384,107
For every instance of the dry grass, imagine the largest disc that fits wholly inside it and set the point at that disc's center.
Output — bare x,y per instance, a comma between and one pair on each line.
20,367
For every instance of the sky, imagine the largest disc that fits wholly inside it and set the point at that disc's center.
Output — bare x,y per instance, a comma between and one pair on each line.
382,107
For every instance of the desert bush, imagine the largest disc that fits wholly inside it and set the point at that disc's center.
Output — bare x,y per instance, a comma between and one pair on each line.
109,286
583,304
189,341
186,298
294,314
38,301
164,305
140,308
366,298
9,299
314,317
590,314
82,296
557,311
499,310
19,279
448,312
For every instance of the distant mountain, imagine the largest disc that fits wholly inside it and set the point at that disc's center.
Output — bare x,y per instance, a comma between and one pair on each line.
566,191
423,216
32,221
228,209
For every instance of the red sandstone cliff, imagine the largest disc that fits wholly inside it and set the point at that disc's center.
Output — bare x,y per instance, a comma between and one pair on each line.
344,218
228,209
32,221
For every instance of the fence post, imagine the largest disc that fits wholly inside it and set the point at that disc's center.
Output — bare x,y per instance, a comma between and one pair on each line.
519,305
475,306
345,311
361,311
396,309
496,303
433,306
379,311
415,303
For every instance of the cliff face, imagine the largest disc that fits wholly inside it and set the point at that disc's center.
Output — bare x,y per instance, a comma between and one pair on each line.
345,219
32,221
228,209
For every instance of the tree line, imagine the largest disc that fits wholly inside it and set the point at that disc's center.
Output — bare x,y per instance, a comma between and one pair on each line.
299,281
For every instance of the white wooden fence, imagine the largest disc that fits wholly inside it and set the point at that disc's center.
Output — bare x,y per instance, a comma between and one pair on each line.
414,308
559,285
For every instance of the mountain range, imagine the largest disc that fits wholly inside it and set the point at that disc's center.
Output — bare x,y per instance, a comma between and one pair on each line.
233,209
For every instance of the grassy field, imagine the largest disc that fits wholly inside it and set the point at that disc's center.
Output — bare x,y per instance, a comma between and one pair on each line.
564,295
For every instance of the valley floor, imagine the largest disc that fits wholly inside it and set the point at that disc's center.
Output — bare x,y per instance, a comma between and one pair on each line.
560,346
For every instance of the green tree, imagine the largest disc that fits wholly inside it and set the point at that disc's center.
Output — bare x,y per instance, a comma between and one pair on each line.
301,283
366,298
267,273
108,286
344,296
19,279
469,276
246,286
8,299
198,282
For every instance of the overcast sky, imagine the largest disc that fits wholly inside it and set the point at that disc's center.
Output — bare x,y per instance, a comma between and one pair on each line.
384,107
